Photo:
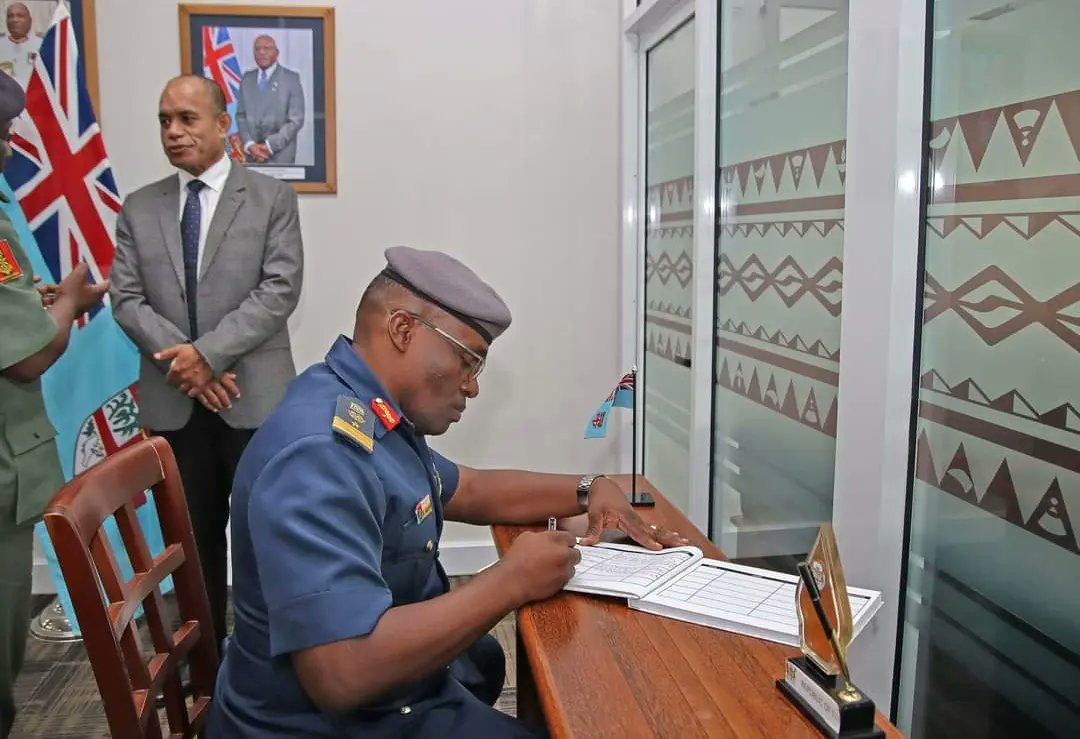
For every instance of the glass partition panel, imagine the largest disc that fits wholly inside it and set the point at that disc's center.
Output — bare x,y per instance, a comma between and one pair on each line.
781,157
669,260
992,614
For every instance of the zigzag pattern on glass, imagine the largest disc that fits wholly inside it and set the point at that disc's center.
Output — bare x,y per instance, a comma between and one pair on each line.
1024,121
1049,519
1064,416
778,338
664,268
672,192
661,344
670,309
820,226
768,394
995,307
789,280
1025,225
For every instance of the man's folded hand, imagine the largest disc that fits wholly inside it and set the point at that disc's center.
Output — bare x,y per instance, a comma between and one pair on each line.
188,369
215,395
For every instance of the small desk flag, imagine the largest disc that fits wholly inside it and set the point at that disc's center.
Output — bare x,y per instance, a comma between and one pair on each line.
621,397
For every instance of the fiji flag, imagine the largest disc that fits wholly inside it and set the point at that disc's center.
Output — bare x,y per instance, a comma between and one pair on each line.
64,208
621,397
221,65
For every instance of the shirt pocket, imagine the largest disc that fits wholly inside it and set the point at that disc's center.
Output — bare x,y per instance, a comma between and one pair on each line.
37,470
409,558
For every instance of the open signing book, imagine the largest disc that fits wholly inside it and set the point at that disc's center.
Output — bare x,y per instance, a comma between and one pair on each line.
681,583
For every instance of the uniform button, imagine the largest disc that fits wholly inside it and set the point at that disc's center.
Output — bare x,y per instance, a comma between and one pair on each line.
406,710
429,546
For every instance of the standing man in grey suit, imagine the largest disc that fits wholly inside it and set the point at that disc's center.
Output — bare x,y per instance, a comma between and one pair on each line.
270,108
207,270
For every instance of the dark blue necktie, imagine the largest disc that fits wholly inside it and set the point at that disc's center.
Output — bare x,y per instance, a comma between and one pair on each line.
189,237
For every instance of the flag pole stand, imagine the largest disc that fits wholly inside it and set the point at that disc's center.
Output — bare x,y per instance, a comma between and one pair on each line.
52,625
643,498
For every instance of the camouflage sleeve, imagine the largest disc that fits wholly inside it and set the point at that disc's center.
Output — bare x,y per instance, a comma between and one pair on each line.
25,327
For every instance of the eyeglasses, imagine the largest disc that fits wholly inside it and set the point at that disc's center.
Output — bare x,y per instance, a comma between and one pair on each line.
473,361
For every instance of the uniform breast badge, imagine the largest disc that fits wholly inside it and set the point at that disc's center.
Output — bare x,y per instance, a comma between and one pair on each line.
423,508
352,423
9,267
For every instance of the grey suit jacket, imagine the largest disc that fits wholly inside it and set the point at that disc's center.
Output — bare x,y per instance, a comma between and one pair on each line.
273,115
249,284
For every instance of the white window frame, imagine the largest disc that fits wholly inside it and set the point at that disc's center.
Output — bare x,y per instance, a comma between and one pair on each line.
883,232
644,27
883,228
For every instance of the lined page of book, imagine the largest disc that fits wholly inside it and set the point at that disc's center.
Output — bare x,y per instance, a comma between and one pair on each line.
736,593
627,571
743,599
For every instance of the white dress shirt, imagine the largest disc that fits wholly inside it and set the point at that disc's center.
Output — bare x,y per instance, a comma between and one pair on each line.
214,178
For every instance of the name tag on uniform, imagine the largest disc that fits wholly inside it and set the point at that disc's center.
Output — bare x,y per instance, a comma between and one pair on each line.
352,423
423,508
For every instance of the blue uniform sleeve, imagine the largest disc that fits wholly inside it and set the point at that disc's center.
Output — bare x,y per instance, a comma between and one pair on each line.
448,472
316,529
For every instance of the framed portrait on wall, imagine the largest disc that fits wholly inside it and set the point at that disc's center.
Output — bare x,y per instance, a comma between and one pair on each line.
275,65
25,23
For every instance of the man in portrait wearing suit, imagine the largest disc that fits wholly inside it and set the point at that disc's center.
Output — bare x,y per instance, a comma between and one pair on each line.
207,271
270,107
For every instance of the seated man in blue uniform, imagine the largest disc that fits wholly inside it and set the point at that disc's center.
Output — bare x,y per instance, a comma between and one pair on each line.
345,622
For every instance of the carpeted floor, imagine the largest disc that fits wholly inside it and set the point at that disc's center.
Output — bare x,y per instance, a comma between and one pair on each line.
58,698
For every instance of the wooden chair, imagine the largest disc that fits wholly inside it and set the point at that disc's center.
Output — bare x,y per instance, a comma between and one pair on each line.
105,605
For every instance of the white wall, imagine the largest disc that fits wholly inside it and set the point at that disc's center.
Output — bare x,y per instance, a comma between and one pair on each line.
486,128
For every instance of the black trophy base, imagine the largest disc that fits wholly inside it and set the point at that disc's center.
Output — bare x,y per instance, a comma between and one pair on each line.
836,711
640,498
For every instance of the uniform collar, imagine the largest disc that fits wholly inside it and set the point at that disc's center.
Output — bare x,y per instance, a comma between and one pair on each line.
344,362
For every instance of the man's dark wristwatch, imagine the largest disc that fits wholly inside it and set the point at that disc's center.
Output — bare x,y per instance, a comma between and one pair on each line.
583,487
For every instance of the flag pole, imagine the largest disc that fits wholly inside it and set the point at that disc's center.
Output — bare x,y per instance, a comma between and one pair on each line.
633,444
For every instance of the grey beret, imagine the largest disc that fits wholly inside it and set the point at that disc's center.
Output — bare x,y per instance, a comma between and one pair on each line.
12,98
449,284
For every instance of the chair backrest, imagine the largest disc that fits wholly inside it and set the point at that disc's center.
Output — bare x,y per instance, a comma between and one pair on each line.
106,604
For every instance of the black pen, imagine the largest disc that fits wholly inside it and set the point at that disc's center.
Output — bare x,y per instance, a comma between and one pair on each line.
815,598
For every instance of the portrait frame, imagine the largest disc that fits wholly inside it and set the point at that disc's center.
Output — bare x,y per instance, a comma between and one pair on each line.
304,44
82,18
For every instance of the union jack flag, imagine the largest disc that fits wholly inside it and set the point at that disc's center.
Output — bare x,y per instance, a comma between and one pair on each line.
219,61
64,211
60,172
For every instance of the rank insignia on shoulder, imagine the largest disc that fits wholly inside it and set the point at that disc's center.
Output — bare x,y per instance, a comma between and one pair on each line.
352,423
389,417
9,267
423,508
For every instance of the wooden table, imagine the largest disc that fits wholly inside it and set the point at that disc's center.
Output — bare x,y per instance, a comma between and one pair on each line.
591,667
